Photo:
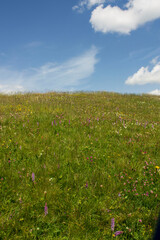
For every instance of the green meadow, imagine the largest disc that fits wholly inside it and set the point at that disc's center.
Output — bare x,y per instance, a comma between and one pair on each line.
79,166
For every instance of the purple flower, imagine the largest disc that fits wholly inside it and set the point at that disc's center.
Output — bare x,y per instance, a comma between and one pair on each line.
45,209
86,184
52,123
118,233
33,177
112,224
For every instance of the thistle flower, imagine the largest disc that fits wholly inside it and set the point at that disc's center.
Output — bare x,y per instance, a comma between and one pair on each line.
112,224
45,209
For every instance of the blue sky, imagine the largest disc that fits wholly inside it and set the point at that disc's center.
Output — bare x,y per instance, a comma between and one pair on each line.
89,45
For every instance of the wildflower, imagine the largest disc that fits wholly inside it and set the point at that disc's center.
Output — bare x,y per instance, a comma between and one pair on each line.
45,192
140,220
33,177
86,185
112,224
118,233
157,167
45,209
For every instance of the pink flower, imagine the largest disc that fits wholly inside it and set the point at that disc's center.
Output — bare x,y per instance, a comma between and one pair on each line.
118,233
140,220
33,177
112,224
45,209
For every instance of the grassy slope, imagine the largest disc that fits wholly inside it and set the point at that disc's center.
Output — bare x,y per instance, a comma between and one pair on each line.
94,157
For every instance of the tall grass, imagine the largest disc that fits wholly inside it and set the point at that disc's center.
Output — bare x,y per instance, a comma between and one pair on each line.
79,166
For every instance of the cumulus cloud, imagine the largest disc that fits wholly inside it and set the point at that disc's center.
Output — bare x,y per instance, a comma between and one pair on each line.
144,76
134,14
88,4
155,92
50,76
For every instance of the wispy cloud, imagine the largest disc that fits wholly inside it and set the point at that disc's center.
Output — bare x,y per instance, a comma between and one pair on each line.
154,60
134,14
33,44
87,4
145,76
2,54
50,76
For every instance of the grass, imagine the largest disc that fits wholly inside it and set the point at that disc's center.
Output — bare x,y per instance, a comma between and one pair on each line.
70,164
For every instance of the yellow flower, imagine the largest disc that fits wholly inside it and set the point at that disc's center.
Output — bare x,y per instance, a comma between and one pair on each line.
157,167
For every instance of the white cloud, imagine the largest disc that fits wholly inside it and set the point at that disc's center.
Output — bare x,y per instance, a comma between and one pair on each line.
87,3
135,14
9,89
144,76
155,92
50,76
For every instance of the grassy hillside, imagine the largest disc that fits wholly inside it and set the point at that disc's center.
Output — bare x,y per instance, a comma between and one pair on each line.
79,166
